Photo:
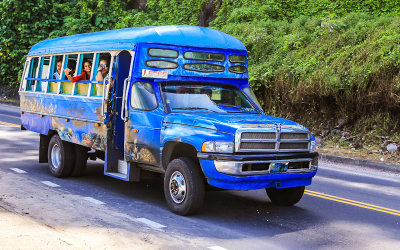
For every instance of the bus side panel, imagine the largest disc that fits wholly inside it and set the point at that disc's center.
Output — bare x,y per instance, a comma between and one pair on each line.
88,134
36,123
62,105
76,119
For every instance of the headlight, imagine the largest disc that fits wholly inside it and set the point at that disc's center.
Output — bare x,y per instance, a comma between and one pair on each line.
217,147
313,146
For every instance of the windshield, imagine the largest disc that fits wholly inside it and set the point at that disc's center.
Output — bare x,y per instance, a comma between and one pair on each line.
183,97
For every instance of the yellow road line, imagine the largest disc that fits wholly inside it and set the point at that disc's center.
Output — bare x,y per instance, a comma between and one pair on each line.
353,203
344,199
10,124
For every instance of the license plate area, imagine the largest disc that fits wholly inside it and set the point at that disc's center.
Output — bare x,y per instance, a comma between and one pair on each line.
279,167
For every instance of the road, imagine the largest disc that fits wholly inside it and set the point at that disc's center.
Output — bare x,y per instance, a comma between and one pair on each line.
345,207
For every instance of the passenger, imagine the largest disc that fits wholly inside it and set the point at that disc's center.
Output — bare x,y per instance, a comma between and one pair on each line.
85,75
57,75
102,71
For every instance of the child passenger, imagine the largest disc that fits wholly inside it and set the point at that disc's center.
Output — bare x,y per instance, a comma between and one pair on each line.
85,75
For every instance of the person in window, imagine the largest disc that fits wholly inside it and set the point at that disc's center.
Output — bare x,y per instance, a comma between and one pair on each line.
102,71
85,75
57,75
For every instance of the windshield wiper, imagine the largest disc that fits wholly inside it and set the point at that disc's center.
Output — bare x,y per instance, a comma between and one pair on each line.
188,108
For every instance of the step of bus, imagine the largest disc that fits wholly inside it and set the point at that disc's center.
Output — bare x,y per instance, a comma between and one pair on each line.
126,172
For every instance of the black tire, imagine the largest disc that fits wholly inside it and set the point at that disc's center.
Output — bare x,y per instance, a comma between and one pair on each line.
285,196
191,200
61,157
81,157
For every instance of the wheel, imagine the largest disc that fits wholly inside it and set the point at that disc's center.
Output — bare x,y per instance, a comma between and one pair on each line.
61,157
81,156
285,196
184,186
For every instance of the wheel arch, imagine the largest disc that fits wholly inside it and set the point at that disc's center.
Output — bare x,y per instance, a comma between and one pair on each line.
176,149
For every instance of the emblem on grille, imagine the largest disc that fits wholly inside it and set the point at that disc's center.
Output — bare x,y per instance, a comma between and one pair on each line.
278,127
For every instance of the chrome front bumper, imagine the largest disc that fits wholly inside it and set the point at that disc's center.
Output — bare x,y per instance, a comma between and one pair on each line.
244,168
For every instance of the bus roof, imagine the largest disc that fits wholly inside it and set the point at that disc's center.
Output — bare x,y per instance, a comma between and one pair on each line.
124,39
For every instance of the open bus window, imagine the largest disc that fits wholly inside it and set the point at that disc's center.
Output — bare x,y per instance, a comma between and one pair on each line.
100,70
82,88
70,63
56,72
43,74
33,72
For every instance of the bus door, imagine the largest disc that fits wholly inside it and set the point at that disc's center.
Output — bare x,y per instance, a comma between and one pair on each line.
121,68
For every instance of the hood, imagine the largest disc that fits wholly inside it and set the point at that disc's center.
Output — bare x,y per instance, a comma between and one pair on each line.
229,122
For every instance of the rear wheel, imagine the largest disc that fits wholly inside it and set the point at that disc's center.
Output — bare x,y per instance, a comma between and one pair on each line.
61,157
285,196
184,186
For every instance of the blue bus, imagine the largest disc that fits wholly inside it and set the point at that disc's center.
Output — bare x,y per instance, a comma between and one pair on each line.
173,100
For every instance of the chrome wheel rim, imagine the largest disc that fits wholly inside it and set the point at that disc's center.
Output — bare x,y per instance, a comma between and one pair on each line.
177,187
56,156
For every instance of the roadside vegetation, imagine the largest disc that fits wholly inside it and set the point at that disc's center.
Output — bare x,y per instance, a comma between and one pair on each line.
333,65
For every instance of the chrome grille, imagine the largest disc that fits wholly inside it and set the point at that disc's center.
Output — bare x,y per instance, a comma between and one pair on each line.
257,145
273,141
259,135
293,145
294,136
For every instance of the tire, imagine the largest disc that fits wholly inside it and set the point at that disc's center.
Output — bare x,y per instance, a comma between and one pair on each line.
61,157
285,196
184,186
81,157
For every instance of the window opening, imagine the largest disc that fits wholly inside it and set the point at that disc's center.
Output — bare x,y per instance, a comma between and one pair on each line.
33,71
204,67
82,88
43,74
100,71
56,73
67,87
237,59
168,53
161,64
204,56
238,69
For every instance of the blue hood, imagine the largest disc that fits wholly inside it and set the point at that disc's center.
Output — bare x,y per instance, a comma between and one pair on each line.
229,122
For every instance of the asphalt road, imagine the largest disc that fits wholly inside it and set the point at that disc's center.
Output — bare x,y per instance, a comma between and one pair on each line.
345,207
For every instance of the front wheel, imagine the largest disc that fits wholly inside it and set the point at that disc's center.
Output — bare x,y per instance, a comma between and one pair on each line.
285,196
184,186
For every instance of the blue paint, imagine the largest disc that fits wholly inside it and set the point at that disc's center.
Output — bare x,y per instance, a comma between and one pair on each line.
35,123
